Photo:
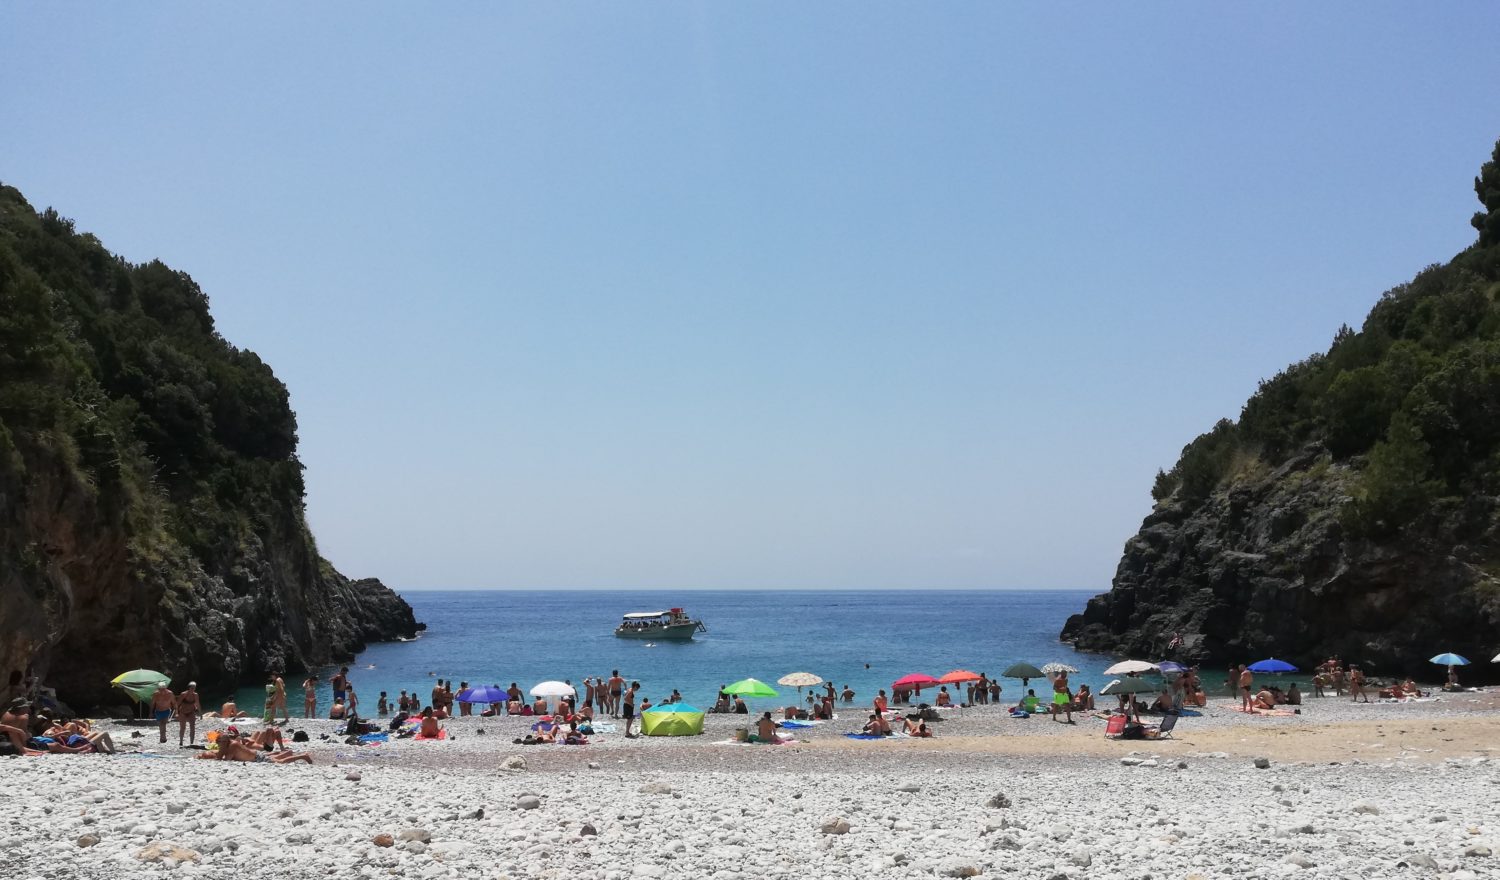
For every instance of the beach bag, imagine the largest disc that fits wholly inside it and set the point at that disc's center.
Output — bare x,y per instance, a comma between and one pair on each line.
299,737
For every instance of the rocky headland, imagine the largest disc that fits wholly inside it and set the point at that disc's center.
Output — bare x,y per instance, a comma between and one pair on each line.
1354,507
151,500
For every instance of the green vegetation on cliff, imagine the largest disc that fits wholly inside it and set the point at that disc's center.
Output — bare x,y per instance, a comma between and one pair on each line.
116,370
151,499
1412,399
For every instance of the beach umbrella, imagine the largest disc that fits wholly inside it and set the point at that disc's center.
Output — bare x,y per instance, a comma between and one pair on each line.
915,680
1272,665
1497,659
484,694
1450,660
750,687
553,689
958,676
140,683
1127,667
672,719
1023,670
1130,686
799,680
1053,669
1171,667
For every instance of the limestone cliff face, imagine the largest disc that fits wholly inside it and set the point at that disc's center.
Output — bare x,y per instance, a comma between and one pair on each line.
151,500
1263,568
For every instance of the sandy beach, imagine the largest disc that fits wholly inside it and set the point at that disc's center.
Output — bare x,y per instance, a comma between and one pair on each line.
1350,790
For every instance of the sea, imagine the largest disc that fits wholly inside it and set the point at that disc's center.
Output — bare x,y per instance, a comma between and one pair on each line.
864,639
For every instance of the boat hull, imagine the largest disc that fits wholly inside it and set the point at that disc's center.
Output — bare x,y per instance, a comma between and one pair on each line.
680,632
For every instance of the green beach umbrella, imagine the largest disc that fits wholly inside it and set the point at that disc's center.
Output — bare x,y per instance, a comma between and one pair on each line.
672,719
750,687
140,683
1023,670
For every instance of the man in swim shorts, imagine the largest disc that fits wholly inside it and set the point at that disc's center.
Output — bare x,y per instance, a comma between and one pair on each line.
162,703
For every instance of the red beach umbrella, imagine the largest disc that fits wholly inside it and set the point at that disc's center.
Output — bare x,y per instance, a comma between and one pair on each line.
915,680
959,676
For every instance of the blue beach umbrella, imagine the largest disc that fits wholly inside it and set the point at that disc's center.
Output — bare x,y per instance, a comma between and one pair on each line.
1171,667
1272,665
485,694
1450,660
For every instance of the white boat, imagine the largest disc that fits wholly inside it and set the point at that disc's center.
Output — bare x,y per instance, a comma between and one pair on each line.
674,623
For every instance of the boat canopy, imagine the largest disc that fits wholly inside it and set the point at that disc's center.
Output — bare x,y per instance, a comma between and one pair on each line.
646,615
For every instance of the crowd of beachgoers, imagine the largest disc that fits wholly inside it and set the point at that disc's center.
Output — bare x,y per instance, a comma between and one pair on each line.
927,780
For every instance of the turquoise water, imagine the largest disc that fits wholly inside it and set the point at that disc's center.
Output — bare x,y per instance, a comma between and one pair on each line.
866,639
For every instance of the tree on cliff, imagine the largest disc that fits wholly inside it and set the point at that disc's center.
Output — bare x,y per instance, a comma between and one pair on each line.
1487,187
1417,384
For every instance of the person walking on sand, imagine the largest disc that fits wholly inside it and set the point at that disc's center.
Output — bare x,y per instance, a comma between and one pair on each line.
1246,679
310,696
627,707
1357,684
163,701
188,707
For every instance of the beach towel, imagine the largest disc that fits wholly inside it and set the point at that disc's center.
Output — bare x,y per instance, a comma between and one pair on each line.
794,725
876,736
442,734
375,737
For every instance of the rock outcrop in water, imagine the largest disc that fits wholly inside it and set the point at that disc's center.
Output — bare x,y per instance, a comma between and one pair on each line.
1353,509
151,501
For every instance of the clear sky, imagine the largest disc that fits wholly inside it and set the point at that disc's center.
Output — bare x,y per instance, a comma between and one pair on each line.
752,295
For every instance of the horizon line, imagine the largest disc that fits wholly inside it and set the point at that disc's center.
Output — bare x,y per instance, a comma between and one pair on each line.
622,589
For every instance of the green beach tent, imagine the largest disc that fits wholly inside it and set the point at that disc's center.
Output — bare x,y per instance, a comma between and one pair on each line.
672,719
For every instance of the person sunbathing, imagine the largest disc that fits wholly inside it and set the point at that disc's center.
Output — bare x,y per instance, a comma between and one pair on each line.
1264,700
539,707
267,739
76,734
1165,702
922,731
910,726
1084,699
229,710
878,726
942,698
430,728
546,730
765,729
232,748
338,711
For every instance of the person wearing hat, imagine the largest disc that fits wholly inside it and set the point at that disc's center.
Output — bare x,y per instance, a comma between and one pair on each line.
162,703
189,707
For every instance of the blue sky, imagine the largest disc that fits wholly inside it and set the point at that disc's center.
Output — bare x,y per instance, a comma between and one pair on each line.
711,295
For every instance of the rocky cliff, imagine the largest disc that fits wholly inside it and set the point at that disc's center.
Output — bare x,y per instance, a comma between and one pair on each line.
151,501
1354,508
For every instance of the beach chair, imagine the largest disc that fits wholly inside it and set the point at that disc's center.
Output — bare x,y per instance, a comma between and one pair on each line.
1115,724
1164,729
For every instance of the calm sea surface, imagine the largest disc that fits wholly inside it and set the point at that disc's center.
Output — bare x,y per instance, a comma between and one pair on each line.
866,639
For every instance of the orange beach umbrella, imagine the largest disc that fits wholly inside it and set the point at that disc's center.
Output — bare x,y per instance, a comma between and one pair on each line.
958,676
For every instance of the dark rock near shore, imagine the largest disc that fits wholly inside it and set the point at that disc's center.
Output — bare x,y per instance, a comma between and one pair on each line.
1263,568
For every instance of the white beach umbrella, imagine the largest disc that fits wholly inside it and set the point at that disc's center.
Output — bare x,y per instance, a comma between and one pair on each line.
799,680
1497,659
1126,667
553,689
1053,669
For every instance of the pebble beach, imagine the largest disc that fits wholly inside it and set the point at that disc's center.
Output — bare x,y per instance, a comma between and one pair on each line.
1342,790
